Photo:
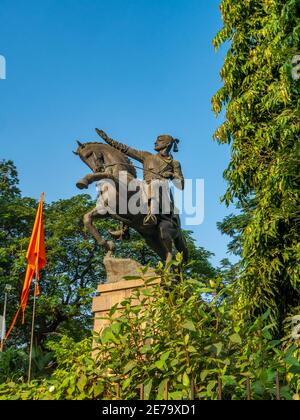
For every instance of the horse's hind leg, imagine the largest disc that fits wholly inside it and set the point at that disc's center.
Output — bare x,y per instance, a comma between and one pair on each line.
88,223
167,233
155,244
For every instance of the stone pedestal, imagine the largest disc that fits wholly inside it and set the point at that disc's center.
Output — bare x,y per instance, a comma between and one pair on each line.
117,289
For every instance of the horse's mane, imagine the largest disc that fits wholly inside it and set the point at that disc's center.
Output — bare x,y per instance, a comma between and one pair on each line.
129,165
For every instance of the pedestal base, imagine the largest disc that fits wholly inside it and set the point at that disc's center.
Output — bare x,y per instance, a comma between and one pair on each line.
117,289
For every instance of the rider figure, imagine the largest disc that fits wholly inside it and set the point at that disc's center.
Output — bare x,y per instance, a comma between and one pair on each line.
157,167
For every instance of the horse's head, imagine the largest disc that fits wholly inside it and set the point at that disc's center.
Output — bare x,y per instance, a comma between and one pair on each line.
91,156
99,156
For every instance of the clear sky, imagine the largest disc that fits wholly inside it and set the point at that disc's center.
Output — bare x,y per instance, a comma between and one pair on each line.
134,68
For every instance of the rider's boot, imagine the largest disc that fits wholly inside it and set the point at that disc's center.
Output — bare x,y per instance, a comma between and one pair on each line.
121,234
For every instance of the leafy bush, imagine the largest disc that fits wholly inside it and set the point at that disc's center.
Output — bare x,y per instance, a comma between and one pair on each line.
12,363
184,332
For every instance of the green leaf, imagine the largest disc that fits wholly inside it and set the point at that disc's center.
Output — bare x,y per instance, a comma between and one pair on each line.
98,388
266,315
147,388
126,383
204,374
295,370
235,338
129,366
185,379
161,389
164,357
228,380
211,385
189,325
160,364
206,290
81,383
113,309
292,361
267,334
218,347
176,395
174,362
107,335
132,277
258,388
286,393
116,327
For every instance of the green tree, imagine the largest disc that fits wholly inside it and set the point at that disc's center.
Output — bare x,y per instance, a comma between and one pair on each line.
234,226
262,126
8,180
74,263
16,217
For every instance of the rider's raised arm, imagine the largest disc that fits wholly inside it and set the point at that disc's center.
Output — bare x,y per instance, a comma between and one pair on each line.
129,151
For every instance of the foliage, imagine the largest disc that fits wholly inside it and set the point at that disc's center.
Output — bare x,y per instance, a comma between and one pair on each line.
76,376
13,363
8,180
262,126
178,333
234,225
73,266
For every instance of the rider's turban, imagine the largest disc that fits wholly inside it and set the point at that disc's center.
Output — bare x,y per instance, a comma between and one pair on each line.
167,140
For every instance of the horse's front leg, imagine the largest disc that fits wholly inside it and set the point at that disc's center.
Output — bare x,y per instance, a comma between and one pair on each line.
109,246
83,183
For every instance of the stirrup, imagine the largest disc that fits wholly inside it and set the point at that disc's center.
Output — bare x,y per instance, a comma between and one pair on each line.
120,234
150,220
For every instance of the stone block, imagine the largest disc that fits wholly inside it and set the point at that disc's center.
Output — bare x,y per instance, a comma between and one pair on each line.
117,289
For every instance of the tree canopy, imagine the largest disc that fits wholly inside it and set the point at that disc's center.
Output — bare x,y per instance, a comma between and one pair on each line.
262,126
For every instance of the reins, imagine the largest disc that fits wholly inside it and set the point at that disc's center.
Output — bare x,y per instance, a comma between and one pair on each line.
131,164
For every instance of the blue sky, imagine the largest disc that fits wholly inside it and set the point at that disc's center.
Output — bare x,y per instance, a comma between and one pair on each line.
134,68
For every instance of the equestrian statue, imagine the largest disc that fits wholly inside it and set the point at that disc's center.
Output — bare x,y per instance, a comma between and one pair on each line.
114,172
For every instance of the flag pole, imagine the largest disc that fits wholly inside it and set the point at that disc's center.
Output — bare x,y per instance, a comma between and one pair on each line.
32,322
3,322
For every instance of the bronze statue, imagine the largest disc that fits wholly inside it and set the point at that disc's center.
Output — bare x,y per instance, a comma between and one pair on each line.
160,230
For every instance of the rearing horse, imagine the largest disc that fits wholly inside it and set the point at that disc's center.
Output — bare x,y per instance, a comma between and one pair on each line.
106,163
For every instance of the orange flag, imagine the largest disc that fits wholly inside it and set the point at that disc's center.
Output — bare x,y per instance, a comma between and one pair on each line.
36,258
